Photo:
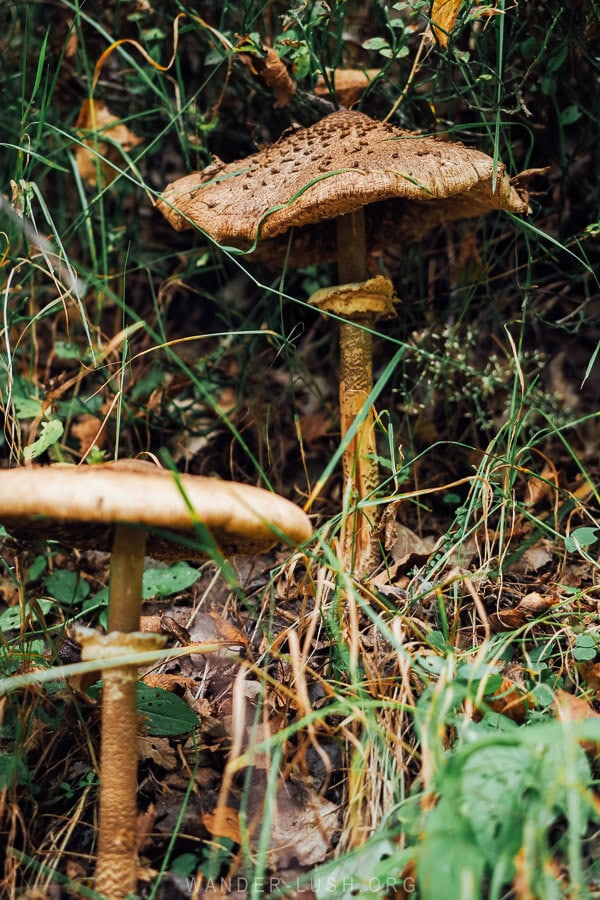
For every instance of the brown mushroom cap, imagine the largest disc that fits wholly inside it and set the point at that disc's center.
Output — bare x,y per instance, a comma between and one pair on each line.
80,505
345,161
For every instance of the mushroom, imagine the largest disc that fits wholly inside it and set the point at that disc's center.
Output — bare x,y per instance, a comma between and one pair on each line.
115,506
345,184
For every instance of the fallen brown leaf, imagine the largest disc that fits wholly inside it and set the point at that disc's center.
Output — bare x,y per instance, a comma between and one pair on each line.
590,672
542,487
304,823
89,431
145,825
276,77
170,682
211,627
510,700
314,426
403,547
443,17
95,122
159,750
223,822
570,708
528,608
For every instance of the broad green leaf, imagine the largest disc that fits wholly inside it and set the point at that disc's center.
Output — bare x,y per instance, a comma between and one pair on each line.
164,582
165,713
26,407
585,647
50,432
11,617
66,587
12,770
581,538
373,870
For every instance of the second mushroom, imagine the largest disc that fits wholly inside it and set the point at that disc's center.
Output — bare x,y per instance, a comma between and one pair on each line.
346,185
119,507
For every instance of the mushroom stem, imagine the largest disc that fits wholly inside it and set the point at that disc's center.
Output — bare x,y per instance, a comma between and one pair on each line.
126,573
116,862
359,463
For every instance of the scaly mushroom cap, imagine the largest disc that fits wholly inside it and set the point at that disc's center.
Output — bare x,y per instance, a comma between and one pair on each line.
79,506
345,161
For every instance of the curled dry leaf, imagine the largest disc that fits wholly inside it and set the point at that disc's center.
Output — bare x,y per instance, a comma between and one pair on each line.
403,547
443,18
510,700
314,426
570,708
542,487
223,822
304,823
170,682
444,13
528,608
159,750
533,559
590,672
276,77
89,432
95,122
211,627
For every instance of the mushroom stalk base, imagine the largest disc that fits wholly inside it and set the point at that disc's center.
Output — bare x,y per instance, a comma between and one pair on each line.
117,863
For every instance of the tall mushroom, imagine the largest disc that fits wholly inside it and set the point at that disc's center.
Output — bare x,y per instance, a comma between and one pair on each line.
363,184
115,506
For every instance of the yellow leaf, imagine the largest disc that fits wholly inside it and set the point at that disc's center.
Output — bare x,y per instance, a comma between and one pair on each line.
223,822
94,122
443,17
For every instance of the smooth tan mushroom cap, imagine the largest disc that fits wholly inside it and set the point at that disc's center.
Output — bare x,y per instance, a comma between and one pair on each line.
79,505
345,161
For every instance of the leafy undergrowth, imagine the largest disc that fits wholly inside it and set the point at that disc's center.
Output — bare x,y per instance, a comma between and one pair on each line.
430,728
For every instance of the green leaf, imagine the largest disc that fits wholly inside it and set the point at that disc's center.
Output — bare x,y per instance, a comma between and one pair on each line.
10,619
67,587
51,431
475,672
165,713
70,350
370,871
437,640
12,771
36,568
543,695
581,538
586,647
376,43
164,582
185,864
26,407
570,114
